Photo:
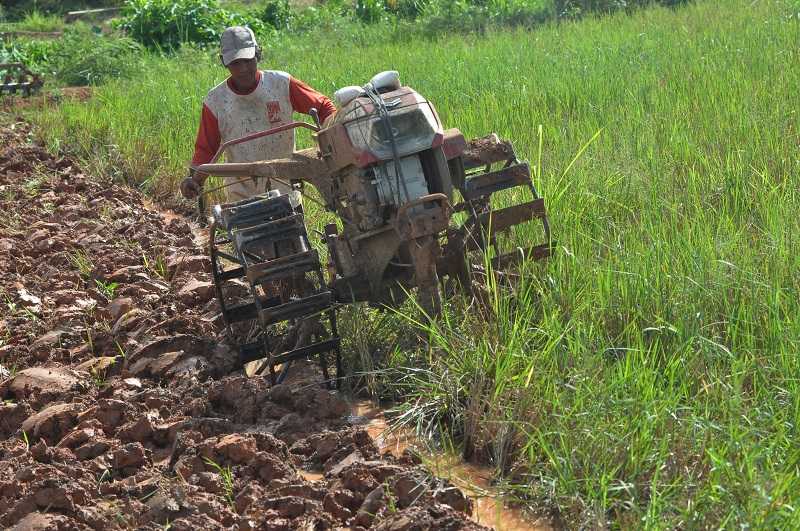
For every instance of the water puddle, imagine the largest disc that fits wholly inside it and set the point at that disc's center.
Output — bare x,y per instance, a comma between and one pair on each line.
473,480
311,476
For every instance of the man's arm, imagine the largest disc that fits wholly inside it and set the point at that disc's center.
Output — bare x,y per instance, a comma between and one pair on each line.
304,98
205,147
208,138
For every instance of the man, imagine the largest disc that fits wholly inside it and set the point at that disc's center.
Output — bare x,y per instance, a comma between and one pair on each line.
249,101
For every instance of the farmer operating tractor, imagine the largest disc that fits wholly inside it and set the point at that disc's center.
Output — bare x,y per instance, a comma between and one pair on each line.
412,201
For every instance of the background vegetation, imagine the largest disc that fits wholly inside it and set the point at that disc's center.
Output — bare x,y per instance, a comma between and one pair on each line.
647,375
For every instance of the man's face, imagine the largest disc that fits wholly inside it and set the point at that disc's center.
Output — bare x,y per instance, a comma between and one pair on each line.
243,72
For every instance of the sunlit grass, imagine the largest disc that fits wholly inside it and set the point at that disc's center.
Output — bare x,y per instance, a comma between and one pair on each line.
646,376
36,21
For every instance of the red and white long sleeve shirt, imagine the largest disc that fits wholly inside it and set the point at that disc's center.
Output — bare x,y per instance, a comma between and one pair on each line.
228,114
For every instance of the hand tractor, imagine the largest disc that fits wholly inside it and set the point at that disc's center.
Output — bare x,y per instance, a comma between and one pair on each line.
18,79
413,207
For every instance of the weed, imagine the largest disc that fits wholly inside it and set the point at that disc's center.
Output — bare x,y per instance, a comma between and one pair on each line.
391,500
226,474
28,314
106,212
120,349
158,265
10,304
105,476
98,377
32,185
26,440
107,288
89,336
48,208
80,259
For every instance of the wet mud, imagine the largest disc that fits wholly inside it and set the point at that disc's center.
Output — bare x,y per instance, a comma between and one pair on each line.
121,406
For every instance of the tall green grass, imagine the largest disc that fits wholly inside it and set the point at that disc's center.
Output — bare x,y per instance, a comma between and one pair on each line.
646,376
34,20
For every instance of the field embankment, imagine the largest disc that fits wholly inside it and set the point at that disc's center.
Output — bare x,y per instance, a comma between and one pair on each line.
647,375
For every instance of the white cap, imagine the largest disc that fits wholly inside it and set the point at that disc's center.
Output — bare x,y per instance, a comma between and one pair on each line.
237,42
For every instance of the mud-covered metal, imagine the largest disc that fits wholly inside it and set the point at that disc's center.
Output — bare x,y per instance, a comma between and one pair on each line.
19,79
286,312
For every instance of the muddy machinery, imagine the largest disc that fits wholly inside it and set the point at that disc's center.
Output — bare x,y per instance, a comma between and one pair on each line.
18,79
413,204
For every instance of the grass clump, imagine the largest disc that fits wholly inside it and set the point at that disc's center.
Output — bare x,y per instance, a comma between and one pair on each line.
34,20
226,476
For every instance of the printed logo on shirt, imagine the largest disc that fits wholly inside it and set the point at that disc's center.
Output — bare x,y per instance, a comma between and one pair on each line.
273,111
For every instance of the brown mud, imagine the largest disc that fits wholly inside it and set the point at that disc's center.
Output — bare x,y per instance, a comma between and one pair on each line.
120,406
10,103
475,481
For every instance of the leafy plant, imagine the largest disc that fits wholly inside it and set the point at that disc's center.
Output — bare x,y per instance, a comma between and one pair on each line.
107,288
277,13
167,25
369,11
157,265
98,377
407,8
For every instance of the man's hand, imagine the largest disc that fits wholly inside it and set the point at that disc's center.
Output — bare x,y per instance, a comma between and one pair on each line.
190,188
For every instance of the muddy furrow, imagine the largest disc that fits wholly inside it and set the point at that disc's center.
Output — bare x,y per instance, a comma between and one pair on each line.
121,408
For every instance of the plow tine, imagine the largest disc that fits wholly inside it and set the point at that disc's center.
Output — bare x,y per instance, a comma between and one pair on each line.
492,223
271,252
488,183
537,252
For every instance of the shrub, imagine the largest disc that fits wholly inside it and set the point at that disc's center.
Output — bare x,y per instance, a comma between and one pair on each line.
79,58
36,55
166,24
407,8
576,8
277,13
369,11
91,59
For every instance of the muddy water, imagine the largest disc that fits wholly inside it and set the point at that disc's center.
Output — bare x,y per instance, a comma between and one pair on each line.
473,480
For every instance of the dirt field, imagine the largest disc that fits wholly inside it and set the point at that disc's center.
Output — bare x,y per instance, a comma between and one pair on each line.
120,409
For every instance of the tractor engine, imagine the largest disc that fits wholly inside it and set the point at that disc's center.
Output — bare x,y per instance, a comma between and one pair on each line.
386,149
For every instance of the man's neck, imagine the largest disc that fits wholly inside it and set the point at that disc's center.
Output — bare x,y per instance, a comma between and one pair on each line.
249,88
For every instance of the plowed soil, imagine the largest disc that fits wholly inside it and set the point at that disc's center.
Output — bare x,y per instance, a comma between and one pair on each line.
121,406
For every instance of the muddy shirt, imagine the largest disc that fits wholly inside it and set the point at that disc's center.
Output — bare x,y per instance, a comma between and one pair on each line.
229,114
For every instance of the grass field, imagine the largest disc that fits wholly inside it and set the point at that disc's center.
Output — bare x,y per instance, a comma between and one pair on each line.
647,375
